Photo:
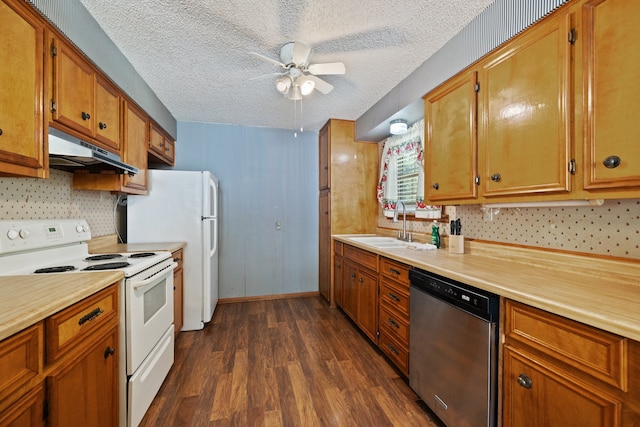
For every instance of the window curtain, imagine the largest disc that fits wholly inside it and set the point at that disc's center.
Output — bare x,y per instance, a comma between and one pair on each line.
387,191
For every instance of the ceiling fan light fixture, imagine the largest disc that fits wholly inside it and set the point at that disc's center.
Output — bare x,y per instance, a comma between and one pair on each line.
295,94
283,84
398,127
306,85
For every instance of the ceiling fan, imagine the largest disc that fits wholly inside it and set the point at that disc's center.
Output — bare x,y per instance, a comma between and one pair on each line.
299,77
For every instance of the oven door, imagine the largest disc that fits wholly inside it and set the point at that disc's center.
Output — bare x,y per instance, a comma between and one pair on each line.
149,311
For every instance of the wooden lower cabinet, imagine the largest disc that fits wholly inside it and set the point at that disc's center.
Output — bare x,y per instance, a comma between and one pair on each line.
178,291
338,274
559,372
360,289
76,383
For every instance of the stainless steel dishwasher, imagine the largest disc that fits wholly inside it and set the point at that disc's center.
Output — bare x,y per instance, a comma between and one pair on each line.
454,349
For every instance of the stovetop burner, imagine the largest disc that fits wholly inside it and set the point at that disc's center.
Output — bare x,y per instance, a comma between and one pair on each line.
107,266
102,257
58,269
142,255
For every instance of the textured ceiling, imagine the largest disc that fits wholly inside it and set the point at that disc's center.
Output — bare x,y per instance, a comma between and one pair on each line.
194,54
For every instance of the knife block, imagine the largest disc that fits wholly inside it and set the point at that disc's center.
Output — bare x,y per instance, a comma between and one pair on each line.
456,244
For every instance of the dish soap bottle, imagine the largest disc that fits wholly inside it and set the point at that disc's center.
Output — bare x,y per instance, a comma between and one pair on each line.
435,234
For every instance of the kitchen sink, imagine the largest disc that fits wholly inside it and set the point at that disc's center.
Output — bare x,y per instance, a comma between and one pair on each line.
380,242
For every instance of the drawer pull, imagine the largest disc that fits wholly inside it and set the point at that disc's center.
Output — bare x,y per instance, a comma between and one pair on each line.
90,316
102,125
109,351
393,297
525,381
85,116
394,271
393,349
392,323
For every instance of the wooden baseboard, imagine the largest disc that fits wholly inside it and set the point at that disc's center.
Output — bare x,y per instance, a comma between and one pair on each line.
268,297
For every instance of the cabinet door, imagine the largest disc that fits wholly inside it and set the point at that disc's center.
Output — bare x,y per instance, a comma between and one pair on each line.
107,115
539,395
338,280
368,305
27,411
73,89
451,144
156,141
611,62
324,156
84,391
21,96
135,147
324,279
350,290
178,276
524,134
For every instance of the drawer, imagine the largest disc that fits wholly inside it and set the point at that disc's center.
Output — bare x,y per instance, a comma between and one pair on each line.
597,353
394,296
395,270
70,326
20,359
337,248
365,258
394,351
395,325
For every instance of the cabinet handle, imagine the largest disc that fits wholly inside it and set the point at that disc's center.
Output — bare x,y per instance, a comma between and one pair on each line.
611,162
109,351
525,381
392,296
102,125
392,323
361,280
85,116
176,259
90,316
393,349
394,271
436,186
0,131
353,276
496,177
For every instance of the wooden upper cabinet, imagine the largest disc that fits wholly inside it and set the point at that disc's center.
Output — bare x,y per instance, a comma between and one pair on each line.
135,147
611,62
451,144
524,131
323,138
73,88
107,123
22,117
161,146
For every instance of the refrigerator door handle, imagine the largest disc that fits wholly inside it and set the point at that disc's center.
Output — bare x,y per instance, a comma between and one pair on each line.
207,217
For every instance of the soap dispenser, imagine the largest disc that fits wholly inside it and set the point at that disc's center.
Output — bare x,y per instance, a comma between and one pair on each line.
435,234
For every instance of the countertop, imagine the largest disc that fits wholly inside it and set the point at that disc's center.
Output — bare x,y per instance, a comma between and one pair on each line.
28,299
597,291
138,247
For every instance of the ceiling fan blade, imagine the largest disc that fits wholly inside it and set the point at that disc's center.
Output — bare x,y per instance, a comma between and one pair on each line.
320,85
301,53
269,60
327,68
264,76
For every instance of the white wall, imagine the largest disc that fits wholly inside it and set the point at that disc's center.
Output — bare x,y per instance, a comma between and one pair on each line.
266,175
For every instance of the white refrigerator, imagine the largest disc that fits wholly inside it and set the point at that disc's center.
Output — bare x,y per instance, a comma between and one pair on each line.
182,206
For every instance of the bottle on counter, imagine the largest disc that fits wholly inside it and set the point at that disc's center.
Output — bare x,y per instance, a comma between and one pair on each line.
435,234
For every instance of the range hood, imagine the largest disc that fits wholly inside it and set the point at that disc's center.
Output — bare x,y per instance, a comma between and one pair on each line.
68,152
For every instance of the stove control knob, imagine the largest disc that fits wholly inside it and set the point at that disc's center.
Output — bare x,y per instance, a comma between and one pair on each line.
24,233
12,234
82,228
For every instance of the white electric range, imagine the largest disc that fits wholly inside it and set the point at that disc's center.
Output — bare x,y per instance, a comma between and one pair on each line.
146,298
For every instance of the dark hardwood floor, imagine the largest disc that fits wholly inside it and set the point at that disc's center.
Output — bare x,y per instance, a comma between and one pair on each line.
288,362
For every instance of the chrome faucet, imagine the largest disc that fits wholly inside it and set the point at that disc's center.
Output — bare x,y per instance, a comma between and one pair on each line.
404,236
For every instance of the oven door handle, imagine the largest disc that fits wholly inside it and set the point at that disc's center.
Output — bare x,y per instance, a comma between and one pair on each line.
154,278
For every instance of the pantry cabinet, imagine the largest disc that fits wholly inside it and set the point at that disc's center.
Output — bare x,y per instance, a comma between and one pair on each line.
559,372
524,129
451,140
22,118
610,62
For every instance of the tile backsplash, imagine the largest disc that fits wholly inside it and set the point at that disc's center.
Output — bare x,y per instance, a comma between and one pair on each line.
611,229
53,198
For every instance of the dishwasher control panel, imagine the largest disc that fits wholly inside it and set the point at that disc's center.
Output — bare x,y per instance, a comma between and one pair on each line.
477,301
